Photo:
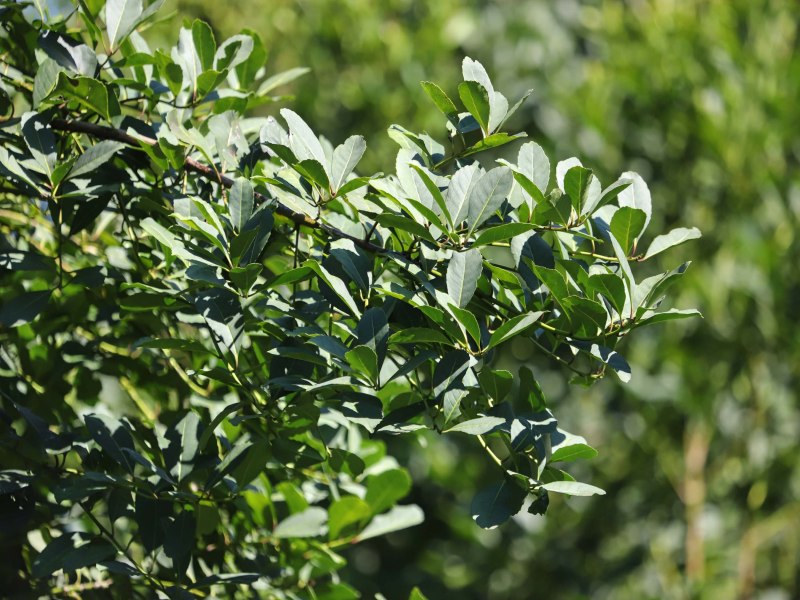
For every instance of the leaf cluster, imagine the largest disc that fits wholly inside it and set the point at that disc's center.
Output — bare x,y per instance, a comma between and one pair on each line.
212,323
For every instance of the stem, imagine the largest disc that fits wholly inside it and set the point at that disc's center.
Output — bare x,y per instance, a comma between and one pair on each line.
122,550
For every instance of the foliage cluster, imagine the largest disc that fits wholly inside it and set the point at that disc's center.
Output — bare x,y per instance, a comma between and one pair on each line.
212,325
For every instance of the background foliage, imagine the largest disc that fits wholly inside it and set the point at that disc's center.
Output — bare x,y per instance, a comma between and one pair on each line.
698,453
698,97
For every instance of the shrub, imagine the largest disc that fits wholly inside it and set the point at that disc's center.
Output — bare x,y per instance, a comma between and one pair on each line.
211,324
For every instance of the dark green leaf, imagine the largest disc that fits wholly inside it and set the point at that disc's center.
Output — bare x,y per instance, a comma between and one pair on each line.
68,553
364,360
502,232
23,308
441,100
476,101
497,384
94,157
112,436
626,225
496,504
513,327
204,43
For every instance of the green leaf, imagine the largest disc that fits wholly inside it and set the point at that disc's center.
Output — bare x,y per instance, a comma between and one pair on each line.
554,280
68,553
373,331
94,157
246,248
673,238
497,384
345,159
345,512
302,140
637,195
280,79
472,70
179,541
364,360
252,464
386,488
576,184
393,221
611,287
626,225
491,141
87,92
244,278
337,285
23,308
672,314
418,335
534,164
247,70
573,452
416,594
45,80
435,192
488,195
463,272
459,191
502,232
513,327
566,447
496,504
479,426
314,172
476,101
122,16
112,436
587,317
572,488
624,265
240,202
204,43
400,517
441,100
41,141
68,52
187,435
468,321
292,276
309,523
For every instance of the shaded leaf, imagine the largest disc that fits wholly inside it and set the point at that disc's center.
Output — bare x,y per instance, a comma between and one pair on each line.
496,504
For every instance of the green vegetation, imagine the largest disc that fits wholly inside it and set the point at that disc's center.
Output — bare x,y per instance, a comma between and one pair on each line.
153,311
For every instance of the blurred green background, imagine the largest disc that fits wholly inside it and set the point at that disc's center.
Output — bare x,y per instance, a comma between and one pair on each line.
699,453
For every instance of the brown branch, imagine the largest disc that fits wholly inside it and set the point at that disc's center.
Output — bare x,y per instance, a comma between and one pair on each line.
109,133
